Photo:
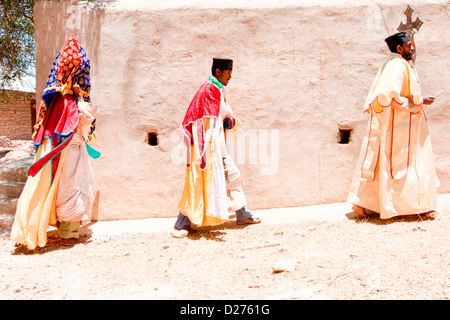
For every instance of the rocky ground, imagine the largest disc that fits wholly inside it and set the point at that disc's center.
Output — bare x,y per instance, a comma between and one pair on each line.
350,259
15,149
360,258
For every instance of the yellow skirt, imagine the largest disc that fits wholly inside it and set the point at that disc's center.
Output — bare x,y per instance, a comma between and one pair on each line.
36,206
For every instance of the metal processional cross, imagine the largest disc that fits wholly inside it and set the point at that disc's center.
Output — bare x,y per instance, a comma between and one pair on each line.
410,27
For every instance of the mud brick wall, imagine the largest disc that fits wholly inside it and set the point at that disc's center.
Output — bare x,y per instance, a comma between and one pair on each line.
17,114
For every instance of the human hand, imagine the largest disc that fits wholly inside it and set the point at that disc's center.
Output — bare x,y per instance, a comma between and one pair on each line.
428,99
76,88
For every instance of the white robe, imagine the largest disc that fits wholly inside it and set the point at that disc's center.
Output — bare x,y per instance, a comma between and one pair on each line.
75,190
231,151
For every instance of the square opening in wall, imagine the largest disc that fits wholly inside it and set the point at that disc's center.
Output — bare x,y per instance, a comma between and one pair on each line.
344,134
152,138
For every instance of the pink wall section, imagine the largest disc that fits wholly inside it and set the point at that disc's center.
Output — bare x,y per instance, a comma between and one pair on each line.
301,71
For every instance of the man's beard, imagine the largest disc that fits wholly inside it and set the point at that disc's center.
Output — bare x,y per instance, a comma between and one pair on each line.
408,55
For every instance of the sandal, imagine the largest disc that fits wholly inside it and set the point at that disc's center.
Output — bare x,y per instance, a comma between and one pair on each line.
179,233
251,220
360,210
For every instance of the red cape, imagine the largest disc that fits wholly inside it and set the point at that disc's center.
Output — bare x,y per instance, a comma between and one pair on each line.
60,121
205,104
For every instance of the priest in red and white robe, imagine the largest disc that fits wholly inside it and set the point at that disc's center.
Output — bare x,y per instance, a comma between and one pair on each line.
213,182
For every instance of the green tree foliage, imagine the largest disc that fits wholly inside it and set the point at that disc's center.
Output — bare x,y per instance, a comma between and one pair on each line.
17,47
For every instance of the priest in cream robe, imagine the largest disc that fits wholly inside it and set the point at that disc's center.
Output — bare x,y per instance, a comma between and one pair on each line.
395,173
213,181
59,187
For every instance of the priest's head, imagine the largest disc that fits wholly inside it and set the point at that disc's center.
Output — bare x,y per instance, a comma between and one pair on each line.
401,43
221,69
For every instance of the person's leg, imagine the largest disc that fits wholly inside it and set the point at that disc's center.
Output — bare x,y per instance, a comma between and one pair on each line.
69,230
245,216
182,226
183,222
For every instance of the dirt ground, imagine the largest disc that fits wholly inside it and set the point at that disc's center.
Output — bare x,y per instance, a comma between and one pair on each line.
360,258
352,259
15,149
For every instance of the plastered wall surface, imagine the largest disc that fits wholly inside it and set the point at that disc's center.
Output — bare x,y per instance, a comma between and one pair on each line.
301,71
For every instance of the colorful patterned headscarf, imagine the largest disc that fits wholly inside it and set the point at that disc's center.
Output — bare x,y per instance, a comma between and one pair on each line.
70,63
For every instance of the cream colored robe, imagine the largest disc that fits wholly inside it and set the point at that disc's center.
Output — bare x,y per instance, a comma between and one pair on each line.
395,173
